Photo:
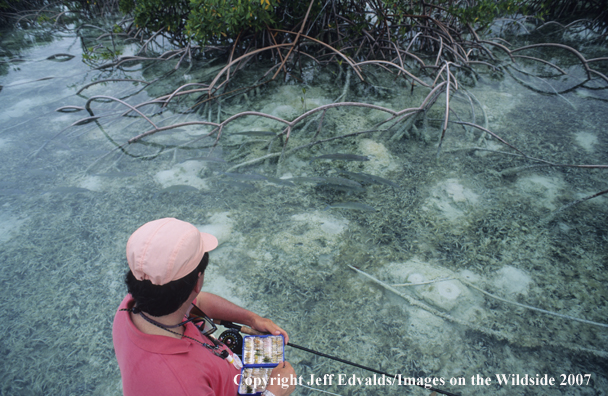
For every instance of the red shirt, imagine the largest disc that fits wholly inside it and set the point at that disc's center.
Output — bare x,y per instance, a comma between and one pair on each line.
154,365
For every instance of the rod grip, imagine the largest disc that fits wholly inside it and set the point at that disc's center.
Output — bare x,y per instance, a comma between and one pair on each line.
242,328
250,331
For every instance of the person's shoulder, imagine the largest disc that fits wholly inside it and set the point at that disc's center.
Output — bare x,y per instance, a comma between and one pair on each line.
121,315
127,302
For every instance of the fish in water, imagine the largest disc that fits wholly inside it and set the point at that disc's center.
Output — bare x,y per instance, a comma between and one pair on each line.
116,174
69,190
306,179
255,133
340,181
91,153
341,184
343,157
239,185
207,159
369,179
343,188
11,191
178,188
245,176
41,173
352,206
282,182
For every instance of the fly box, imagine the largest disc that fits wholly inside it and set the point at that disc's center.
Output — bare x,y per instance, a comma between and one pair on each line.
260,355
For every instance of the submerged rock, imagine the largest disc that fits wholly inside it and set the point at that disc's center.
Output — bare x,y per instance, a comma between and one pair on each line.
219,225
381,160
586,140
512,281
182,174
541,190
445,294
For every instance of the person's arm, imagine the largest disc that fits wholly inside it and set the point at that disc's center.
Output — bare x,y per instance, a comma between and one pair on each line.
217,307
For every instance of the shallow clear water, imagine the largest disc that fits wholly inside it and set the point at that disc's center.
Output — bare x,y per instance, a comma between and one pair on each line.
68,203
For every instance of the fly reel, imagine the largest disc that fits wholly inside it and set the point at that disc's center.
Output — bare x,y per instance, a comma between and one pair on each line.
233,340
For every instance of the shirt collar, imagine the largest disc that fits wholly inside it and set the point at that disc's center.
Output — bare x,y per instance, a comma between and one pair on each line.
165,345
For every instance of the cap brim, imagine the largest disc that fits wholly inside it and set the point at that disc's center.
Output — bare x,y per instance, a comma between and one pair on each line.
209,242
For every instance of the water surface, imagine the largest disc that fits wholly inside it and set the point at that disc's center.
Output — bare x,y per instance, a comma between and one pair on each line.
69,200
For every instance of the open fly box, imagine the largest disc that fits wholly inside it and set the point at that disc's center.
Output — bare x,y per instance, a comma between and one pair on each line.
260,355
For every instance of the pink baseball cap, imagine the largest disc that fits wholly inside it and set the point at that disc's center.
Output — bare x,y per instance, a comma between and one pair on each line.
167,249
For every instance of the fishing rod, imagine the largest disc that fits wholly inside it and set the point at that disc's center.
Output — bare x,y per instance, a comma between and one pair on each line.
234,341
367,368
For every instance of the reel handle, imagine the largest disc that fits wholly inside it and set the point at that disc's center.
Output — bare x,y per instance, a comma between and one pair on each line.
243,329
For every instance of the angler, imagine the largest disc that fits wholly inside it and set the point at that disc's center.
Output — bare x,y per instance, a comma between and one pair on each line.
160,349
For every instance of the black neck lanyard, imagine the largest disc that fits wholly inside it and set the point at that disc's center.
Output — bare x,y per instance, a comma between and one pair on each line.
213,348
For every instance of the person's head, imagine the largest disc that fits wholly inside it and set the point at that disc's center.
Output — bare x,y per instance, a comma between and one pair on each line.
166,259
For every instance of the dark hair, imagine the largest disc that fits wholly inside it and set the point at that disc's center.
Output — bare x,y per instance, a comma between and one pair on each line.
160,300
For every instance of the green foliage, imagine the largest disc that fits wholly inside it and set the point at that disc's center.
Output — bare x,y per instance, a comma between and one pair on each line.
477,13
222,21
15,5
213,21
216,20
595,12
42,18
481,13
159,14
126,6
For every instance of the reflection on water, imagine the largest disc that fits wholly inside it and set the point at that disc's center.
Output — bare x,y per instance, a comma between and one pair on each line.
472,219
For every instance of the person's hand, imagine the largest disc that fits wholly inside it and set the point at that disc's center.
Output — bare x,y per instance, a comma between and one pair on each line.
282,380
265,325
